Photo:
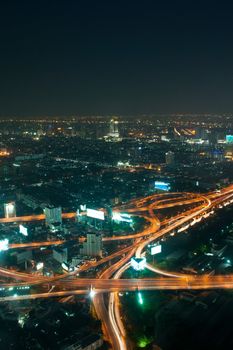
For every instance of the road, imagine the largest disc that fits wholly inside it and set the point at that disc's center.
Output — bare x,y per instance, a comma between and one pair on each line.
83,286
34,218
109,281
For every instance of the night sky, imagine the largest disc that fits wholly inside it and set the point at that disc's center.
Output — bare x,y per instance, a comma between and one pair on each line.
115,57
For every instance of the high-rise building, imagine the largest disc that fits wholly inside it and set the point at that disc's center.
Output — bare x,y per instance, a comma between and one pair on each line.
53,215
113,134
10,210
170,158
93,245
113,128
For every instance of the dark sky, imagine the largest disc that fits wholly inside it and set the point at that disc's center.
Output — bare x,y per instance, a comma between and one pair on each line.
115,57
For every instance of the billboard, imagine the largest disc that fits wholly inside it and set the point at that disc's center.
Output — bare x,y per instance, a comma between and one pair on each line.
4,244
229,138
156,249
138,264
39,265
96,214
163,186
116,216
23,230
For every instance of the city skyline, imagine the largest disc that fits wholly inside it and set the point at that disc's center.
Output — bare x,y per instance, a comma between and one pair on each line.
111,228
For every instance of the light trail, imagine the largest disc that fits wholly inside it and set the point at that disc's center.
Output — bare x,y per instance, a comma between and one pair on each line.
112,324
39,217
113,285
148,231
164,273
174,225
114,314
108,320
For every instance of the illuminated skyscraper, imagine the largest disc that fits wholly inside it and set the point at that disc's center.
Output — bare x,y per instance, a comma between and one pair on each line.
113,129
113,134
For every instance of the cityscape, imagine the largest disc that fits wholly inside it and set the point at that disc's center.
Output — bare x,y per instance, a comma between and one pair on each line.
116,176
101,214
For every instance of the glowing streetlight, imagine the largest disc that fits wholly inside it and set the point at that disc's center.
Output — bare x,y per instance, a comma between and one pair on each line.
92,293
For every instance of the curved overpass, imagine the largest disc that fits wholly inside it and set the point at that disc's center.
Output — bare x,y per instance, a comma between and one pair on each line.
113,326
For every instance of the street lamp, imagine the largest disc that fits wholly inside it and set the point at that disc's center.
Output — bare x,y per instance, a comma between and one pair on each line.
92,293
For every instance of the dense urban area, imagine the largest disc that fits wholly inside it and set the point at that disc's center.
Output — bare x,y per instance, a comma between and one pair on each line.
116,232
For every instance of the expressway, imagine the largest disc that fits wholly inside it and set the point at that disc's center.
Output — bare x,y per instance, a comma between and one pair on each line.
107,317
150,233
34,218
165,203
40,217
158,201
84,285
114,314
109,281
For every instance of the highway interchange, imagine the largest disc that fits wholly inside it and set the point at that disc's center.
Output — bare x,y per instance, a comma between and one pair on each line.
105,287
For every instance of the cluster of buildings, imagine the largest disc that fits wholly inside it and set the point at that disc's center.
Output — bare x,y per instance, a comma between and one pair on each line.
50,168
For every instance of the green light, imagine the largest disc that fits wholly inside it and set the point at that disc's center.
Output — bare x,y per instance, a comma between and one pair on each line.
140,300
143,342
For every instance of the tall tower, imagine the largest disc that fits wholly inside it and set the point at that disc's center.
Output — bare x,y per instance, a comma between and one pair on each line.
113,128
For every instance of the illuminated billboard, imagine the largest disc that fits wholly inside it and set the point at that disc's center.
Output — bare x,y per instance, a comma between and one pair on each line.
9,209
138,264
96,214
66,267
116,216
156,249
229,138
4,244
163,186
39,265
23,230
